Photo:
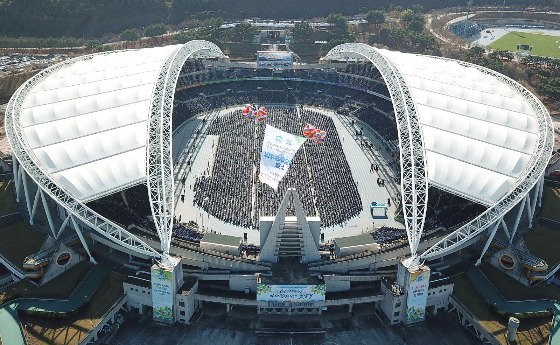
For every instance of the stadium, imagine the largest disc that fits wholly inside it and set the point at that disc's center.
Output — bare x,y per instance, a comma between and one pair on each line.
147,152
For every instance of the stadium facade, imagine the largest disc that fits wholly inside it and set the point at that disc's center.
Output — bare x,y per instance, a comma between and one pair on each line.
100,124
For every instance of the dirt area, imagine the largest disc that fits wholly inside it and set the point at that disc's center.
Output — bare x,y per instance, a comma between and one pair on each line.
5,148
556,124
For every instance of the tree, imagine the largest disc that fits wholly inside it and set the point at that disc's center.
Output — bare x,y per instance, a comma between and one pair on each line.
130,35
375,17
213,23
409,41
408,16
551,88
340,26
501,55
96,46
474,54
416,24
243,32
302,32
416,8
155,30
211,30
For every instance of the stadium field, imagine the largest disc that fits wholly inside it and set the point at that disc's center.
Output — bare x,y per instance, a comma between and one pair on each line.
543,45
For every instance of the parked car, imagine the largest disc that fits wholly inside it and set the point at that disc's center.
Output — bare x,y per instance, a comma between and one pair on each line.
555,174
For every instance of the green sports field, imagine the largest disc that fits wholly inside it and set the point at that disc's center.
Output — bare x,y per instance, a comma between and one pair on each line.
543,45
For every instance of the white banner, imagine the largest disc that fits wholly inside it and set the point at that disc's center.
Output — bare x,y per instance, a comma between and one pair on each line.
278,150
269,59
291,293
162,295
417,295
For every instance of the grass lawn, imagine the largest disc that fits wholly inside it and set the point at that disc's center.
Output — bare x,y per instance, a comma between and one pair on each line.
543,45
551,202
70,331
23,241
512,290
543,243
7,201
530,332
59,288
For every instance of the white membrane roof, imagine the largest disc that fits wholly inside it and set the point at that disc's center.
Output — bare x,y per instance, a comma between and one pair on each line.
86,123
479,133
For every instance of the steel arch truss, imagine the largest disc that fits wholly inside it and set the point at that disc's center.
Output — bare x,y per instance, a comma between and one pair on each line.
27,160
159,155
534,170
414,179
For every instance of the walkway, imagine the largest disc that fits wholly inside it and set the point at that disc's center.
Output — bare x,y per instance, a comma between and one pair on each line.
10,329
493,297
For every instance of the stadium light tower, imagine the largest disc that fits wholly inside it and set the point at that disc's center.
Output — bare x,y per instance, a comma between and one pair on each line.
469,3
502,15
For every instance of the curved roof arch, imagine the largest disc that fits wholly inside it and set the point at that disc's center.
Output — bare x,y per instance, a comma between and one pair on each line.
484,136
414,182
82,128
159,154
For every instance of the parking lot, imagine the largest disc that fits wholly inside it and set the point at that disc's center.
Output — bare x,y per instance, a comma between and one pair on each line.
15,63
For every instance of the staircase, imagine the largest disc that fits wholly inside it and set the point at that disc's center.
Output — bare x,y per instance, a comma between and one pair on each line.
290,241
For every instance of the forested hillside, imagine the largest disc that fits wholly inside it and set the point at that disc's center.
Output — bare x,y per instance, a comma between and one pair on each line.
93,18
77,18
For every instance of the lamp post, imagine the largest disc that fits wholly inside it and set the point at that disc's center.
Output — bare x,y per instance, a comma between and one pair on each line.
502,15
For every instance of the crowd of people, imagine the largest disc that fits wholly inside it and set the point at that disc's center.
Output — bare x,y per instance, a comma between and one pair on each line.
384,124
202,99
194,101
387,234
315,87
314,182
359,75
185,233
232,178
297,175
337,196
114,208
319,172
226,191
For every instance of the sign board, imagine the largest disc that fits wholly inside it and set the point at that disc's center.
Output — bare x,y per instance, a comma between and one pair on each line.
290,295
378,210
278,150
417,295
162,294
268,59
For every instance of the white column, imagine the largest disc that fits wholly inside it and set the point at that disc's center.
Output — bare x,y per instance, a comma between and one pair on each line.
519,213
529,213
15,171
79,232
506,230
541,190
26,190
35,203
18,186
490,238
534,205
63,226
48,212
